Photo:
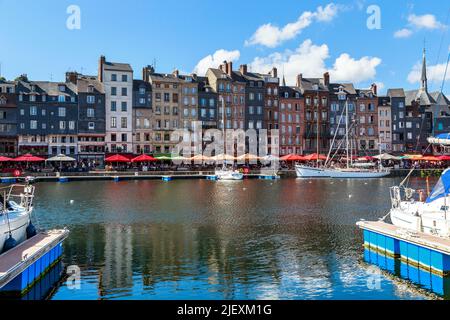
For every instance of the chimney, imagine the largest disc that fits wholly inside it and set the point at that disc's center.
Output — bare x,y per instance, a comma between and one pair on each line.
243,68
230,68
146,72
176,73
71,77
326,79
373,87
274,72
224,66
101,62
299,79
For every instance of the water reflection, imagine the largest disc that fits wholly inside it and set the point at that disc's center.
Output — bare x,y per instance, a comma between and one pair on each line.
288,239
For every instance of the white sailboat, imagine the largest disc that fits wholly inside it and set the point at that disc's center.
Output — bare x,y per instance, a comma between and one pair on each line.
431,216
350,172
15,215
226,173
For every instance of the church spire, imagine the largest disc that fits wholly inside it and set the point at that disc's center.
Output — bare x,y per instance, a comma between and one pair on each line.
284,81
424,82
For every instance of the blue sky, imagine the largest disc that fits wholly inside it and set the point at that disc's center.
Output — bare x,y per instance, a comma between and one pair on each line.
320,36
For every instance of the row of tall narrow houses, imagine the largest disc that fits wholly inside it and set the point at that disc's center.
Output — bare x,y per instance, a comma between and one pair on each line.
88,116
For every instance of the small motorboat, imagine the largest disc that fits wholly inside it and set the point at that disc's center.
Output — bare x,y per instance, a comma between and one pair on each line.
16,206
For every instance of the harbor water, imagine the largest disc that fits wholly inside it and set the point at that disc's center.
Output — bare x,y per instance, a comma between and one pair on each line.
199,239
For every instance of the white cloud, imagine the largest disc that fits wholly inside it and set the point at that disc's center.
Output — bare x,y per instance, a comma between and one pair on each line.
349,69
271,36
426,21
403,33
310,60
435,73
214,60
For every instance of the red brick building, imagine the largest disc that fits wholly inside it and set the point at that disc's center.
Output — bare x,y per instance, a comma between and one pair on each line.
291,119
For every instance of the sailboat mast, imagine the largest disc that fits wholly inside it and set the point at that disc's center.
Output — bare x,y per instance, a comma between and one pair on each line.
346,130
223,132
318,127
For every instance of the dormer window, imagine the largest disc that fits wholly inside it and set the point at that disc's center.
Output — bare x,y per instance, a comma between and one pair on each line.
3,101
90,88
286,94
61,98
315,87
33,87
62,88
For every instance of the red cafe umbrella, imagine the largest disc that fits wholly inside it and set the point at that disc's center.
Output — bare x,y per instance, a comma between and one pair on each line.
144,158
315,156
444,158
28,158
5,159
292,157
117,158
430,158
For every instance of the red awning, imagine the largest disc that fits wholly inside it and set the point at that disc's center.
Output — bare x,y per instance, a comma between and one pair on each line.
117,158
28,158
144,158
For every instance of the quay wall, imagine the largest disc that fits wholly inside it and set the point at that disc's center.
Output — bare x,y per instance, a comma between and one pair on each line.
132,175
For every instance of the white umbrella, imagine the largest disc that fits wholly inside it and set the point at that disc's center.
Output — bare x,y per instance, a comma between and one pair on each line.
61,158
386,156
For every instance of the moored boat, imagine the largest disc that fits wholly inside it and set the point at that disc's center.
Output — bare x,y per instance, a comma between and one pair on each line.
16,206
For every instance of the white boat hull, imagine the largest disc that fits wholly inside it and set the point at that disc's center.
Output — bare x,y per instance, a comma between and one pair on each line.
311,172
229,175
18,223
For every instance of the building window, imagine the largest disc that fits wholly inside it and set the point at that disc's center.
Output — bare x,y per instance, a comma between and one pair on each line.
61,111
113,106
33,124
124,78
113,77
113,91
33,111
91,125
90,113
90,99
124,92
113,122
62,125
71,125
61,98
123,122
124,106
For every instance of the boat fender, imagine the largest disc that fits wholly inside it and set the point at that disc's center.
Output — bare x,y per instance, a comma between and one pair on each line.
9,243
31,231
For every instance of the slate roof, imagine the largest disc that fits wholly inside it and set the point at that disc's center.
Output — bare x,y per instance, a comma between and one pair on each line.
396,93
46,87
348,88
423,97
291,90
115,66
83,83
307,84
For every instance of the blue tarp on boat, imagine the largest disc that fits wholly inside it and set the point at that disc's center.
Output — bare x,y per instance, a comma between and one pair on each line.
442,187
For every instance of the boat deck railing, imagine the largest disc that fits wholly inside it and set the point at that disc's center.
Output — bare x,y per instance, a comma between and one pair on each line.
22,194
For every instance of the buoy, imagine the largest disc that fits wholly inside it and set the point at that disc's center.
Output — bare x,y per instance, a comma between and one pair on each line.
31,231
350,195
71,201
9,243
